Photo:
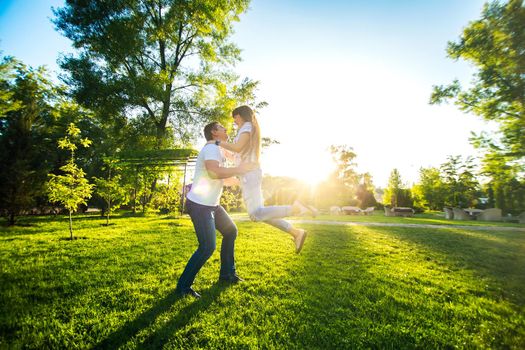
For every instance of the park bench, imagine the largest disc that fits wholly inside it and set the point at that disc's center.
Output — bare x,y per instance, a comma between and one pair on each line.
399,211
348,210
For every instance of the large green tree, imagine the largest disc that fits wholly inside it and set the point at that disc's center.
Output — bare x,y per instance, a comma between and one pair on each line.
27,98
8,101
505,190
166,60
397,194
430,192
461,185
494,45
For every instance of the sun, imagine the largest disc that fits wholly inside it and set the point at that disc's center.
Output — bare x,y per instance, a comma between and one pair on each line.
309,167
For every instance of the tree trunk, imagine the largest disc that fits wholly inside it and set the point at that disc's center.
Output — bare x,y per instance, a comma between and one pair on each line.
107,217
135,190
12,218
70,226
152,188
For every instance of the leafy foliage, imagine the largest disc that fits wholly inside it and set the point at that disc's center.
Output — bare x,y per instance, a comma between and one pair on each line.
454,184
494,44
506,188
111,188
164,60
26,107
462,187
231,199
397,193
72,188
430,192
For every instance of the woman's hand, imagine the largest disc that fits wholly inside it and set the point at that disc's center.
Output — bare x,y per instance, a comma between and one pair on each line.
247,167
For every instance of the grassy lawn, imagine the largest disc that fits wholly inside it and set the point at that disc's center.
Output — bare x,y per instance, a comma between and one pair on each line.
351,287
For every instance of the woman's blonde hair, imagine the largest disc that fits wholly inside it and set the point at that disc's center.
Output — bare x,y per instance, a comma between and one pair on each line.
254,147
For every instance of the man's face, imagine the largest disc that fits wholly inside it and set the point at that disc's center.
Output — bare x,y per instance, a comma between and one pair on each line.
220,133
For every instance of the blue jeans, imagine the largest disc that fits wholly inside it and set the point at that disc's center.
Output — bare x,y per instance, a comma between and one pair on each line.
205,220
251,184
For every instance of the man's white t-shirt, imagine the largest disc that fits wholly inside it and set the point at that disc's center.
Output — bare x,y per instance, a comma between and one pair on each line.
246,127
205,190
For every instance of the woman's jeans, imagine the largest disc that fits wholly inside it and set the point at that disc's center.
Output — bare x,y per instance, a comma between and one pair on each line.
205,220
251,184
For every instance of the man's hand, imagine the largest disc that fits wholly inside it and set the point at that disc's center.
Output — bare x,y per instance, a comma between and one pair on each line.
231,181
246,167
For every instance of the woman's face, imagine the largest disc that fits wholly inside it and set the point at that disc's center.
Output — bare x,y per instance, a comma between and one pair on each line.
237,119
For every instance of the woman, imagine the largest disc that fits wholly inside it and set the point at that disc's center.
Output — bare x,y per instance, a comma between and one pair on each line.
246,146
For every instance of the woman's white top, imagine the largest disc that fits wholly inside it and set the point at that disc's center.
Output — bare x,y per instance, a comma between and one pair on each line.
205,190
251,157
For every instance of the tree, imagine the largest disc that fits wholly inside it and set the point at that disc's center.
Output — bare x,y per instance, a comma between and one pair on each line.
342,185
111,189
166,63
494,45
505,190
462,187
163,59
71,189
430,191
24,162
393,190
231,198
365,192
8,102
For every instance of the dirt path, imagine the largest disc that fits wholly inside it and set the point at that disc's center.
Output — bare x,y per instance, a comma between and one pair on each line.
386,224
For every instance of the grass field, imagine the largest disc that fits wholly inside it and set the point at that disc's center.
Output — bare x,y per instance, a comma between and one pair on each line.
351,287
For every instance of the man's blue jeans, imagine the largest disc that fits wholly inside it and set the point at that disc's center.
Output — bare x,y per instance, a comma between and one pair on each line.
205,220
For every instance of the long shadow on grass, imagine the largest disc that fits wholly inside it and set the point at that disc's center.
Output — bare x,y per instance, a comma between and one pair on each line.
342,304
147,318
498,255
348,300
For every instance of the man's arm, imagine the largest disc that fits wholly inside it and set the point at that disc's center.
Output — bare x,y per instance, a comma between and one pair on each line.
217,172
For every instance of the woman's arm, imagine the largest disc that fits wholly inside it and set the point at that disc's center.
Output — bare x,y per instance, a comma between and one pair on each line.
244,141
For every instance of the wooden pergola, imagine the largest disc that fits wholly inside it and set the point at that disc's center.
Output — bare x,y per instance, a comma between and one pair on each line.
182,159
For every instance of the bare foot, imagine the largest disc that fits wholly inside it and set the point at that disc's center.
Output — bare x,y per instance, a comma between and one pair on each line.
300,209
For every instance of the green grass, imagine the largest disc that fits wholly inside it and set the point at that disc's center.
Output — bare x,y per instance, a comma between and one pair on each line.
351,287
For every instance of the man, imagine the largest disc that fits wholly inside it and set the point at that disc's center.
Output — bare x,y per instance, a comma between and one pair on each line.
207,214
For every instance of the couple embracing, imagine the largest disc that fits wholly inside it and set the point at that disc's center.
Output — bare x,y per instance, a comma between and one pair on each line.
202,202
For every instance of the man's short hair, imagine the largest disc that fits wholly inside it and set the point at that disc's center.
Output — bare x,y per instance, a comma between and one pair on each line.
208,129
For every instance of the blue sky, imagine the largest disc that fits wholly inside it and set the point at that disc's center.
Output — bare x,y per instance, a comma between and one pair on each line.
333,72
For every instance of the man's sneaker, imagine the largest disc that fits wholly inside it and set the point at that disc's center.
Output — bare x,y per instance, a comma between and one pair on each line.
231,279
190,292
299,240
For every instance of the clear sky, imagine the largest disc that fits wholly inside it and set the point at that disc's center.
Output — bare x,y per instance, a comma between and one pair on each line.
354,72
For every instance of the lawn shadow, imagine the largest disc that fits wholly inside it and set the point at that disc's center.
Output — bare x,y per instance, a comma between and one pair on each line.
331,279
351,299
497,255
121,336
